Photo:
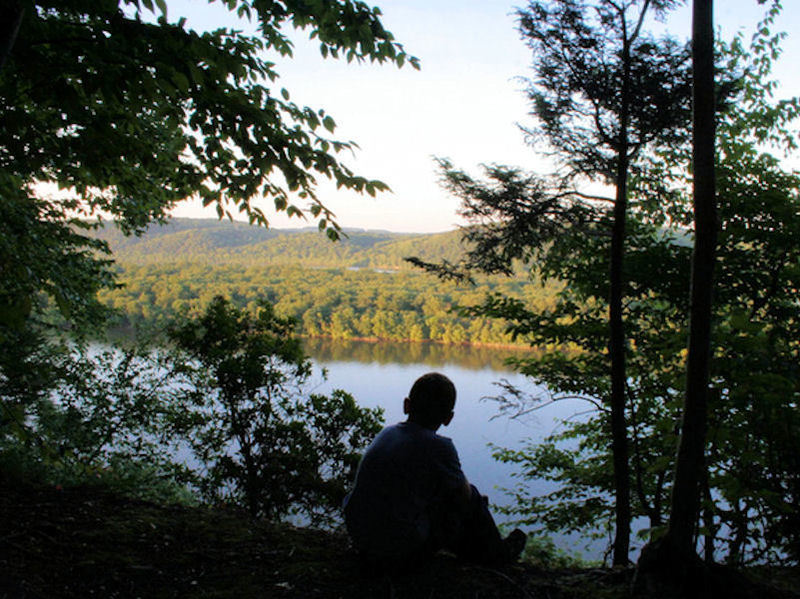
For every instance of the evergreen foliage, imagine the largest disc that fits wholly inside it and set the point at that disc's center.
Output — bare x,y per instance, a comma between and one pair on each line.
605,93
749,477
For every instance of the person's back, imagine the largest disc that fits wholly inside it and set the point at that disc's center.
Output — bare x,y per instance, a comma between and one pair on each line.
407,477
411,497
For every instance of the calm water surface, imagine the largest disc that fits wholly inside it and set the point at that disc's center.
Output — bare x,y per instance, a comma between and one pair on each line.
381,374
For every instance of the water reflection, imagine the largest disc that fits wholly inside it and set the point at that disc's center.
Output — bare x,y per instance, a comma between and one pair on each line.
431,354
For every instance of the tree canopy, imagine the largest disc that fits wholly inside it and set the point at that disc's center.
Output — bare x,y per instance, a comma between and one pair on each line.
129,111
749,475
604,92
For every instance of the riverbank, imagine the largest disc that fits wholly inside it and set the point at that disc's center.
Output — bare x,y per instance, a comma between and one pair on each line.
86,541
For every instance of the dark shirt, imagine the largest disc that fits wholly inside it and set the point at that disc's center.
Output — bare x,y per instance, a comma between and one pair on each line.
406,480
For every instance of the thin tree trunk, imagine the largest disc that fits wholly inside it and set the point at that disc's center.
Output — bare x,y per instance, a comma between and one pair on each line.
670,566
10,21
616,346
708,522
245,449
619,431
690,463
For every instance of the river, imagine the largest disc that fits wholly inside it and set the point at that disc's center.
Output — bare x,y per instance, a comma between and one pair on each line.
381,374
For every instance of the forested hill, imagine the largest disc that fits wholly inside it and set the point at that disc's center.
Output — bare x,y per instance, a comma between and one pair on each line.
224,241
358,287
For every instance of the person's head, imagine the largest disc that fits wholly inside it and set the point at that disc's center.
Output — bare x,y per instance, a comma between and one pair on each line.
431,401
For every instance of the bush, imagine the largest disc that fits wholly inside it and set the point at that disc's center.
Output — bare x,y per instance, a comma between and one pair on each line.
260,440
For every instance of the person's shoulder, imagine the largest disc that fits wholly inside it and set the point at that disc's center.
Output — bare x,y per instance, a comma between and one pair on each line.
408,428
442,438
417,431
401,428
393,431
445,444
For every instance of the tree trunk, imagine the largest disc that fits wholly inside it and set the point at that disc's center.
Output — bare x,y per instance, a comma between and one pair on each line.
619,431
690,462
671,567
616,345
10,20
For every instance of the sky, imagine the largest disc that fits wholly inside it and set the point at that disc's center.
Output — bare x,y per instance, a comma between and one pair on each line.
465,104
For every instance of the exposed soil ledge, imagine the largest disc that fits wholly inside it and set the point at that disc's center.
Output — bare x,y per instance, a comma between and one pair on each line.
87,542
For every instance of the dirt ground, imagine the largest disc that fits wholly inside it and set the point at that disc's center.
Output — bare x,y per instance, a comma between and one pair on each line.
87,542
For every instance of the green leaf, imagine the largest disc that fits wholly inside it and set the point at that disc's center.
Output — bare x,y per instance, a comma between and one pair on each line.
181,114
181,81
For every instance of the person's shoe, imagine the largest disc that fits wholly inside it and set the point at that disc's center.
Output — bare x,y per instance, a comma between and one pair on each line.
514,545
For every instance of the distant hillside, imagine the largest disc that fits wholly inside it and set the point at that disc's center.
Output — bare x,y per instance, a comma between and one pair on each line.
215,241
357,288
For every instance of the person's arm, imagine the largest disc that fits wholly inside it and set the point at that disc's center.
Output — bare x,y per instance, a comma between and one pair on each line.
456,484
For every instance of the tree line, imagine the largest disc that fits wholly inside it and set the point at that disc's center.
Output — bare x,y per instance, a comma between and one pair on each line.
336,303
209,240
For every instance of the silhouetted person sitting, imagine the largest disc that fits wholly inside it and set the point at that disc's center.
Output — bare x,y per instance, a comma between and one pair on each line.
411,498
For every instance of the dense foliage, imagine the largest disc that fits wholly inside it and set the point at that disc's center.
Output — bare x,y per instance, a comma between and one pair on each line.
359,287
749,484
121,109
226,415
101,415
263,440
342,304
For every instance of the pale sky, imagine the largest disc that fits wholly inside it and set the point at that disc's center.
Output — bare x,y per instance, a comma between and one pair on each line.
464,104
